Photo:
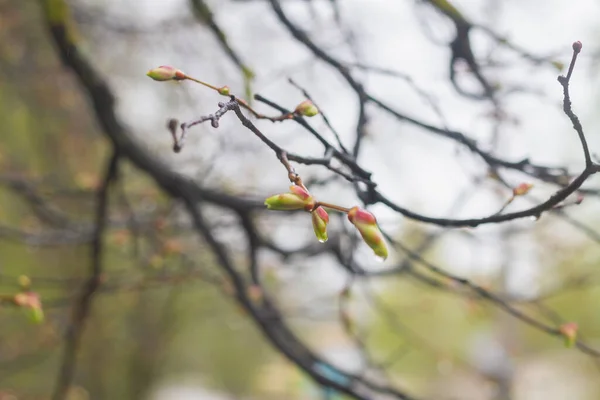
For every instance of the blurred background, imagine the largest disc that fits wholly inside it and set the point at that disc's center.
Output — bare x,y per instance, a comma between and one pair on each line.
166,322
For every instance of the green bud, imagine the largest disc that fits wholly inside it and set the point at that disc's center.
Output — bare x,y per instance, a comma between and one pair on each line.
166,73
297,199
31,304
35,315
307,109
366,223
224,91
320,219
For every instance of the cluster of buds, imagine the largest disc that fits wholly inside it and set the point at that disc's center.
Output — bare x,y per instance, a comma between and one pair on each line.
298,198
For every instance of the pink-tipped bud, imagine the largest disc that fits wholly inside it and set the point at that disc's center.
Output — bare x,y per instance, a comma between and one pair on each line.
366,223
166,73
297,199
522,189
31,304
569,332
320,219
307,109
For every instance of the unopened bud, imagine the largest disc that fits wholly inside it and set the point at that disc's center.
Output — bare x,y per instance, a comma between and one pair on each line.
320,219
224,91
297,199
31,304
569,332
366,223
35,315
166,73
522,189
307,109
577,46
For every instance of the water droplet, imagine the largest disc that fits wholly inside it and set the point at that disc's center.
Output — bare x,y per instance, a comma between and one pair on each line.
322,240
379,259
534,218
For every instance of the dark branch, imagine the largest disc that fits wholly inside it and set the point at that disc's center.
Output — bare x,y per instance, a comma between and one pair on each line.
82,306
564,81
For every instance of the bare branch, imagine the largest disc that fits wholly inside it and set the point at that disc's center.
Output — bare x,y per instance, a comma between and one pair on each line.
81,311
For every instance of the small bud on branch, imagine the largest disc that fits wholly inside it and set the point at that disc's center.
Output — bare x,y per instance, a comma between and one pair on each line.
307,109
31,303
297,199
569,332
224,91
522,189
166,73
366,223
320,219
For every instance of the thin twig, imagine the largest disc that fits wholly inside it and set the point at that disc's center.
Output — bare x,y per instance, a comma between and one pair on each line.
323,115
178,142
564,81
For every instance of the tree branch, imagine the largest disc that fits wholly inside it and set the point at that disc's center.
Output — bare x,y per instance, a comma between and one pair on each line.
82,307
